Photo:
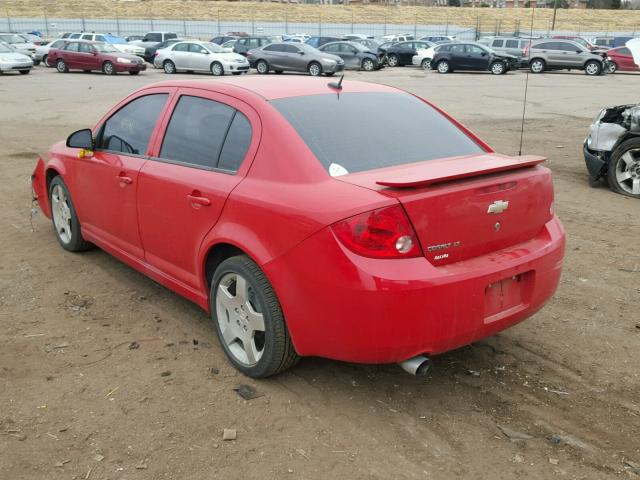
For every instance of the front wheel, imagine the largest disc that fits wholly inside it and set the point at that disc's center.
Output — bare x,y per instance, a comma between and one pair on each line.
426,64
612,67
314,69
497,68
623,174
593,68
444,66
64,217
368,65
169,67
108,68
61,66
393,60
248,319
216,69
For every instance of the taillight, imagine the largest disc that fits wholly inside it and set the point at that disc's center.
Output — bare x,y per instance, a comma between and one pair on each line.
382,233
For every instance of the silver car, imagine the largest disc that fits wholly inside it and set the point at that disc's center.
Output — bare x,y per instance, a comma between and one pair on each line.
42,52
280,57
557,54
12,60
19,43
194,56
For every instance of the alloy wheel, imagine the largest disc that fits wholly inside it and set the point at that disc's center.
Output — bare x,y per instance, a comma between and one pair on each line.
240,319
592,68
628,172
426,64
314,69
612,67
537,66
262,67
61,66
169,67
216,69
393,61
497,68
443,67
367,65
61,213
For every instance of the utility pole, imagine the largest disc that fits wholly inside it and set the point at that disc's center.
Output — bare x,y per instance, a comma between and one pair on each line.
555,9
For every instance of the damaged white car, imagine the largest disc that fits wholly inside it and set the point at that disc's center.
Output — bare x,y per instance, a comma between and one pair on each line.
612,149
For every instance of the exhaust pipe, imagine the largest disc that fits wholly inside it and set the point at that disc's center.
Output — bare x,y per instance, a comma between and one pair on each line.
418,366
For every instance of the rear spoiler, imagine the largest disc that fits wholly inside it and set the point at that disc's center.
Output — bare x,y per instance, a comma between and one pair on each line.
444,170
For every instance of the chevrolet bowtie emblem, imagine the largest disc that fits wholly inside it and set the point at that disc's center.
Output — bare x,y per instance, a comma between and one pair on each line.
498,206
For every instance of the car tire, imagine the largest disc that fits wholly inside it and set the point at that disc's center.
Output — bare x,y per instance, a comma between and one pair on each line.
64,218
108,68
612,67
537,65
249,322
45,61
61,66
623,173
593,68
217,70
169,67
262,67
498,68
314,69
443,66
24,72
393,61
426,64
368,65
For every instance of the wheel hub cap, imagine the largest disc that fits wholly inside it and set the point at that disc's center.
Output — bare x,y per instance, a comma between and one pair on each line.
239,319
628,172
61,214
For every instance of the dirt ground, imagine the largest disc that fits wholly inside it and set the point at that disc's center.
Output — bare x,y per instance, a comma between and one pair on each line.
507,18
106,375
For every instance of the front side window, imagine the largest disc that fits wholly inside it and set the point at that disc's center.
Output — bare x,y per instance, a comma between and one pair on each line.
196,132
457,49
129,129
153,37
624,51
332,48
473,50
85,48
87,36
273,48
414,131
72,46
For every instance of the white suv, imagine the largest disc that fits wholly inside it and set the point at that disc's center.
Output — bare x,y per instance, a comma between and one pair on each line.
118,43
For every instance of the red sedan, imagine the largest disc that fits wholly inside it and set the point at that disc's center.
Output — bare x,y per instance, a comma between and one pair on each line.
621,59
89,56
361,224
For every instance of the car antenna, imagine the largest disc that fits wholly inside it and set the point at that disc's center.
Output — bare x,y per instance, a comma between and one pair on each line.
526,84
338,85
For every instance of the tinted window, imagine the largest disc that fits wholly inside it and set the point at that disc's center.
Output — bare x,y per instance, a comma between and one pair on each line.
195,48
181,47
129,129
236,144
57,44
567,47
290,49
624,51
512,44
473,50
497,43
153,37
332,48
545,46
170,35
87,36
413,131
457,49
100,38
274,48
196,131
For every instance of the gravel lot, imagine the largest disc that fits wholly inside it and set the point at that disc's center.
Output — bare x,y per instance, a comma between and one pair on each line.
557,396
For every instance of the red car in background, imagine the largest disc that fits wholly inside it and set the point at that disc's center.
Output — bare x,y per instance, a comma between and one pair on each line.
355,222
90,56
620,58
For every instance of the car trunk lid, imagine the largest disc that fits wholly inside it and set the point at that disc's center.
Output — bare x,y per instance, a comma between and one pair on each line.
463,207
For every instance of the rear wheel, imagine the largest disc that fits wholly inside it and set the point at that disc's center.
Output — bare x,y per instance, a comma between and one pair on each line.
217,69
393,60
624,168
169,67
498,68
61,66
593,68
537,65
443,66
64,218
368,65
45,60
249,320
314,69
426,64
612,67
262,67
108,68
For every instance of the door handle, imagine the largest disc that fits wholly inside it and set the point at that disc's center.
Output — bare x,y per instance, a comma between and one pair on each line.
196,199
124,179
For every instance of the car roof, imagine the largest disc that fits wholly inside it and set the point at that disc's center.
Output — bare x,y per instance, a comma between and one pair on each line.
275,87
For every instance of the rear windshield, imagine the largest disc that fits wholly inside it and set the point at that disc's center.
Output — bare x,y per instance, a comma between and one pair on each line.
355,132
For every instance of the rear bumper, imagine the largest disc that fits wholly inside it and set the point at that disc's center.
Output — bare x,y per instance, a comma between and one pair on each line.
357,309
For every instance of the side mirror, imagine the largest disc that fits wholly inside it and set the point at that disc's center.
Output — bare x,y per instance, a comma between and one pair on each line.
578,51
206,52
81,139
484,54
300,52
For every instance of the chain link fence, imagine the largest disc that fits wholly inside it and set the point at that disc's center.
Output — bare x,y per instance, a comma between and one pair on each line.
54,27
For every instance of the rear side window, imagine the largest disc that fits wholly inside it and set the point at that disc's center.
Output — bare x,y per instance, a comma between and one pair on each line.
87,36
236,144
545,46
129,129
624,51
512,44
170,35
497,43
413,130
196,132
100,38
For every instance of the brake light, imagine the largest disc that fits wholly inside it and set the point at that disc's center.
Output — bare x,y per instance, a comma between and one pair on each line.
249,54
382,233
525,51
